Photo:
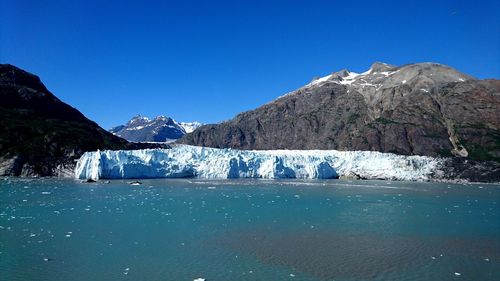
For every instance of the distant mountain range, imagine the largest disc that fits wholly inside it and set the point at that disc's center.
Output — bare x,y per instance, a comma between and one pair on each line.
40,135
159,129
416,109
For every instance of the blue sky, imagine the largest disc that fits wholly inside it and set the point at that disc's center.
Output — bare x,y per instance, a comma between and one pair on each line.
209,60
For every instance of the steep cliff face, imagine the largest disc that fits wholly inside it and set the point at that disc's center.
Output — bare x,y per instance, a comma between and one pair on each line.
417,109
41,135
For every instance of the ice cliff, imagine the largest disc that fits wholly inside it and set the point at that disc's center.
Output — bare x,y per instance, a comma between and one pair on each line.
184,161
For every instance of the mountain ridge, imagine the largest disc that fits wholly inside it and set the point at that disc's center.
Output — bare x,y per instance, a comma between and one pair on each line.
159,129
415,109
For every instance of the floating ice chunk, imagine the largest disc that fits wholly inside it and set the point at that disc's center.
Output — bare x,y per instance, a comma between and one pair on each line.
458,273
199,279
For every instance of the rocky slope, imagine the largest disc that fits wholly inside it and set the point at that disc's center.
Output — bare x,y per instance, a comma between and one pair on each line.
417,109
41,135
159,129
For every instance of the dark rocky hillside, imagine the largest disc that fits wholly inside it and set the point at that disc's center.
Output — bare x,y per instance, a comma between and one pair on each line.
41,135
417,109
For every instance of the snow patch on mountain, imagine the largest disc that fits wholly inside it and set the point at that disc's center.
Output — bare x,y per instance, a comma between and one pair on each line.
183,161
190,126
382,74
349,78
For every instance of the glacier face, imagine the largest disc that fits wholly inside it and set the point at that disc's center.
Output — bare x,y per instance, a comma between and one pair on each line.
184,161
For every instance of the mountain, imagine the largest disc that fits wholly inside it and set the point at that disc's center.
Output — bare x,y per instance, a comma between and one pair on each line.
416,109
159,129
189,127
41,135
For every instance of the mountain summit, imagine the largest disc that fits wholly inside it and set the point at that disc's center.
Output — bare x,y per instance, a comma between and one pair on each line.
415,109
159,129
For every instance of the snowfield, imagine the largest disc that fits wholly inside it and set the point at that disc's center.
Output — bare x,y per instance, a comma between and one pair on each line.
184,161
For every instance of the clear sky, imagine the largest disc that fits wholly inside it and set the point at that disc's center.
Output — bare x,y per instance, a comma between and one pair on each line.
209,60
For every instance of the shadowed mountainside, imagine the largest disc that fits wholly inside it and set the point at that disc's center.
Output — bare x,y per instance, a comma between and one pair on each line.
41,135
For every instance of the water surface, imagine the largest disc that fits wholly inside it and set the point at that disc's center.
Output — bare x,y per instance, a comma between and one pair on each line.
248,230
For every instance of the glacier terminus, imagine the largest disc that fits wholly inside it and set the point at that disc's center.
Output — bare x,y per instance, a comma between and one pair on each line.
185,161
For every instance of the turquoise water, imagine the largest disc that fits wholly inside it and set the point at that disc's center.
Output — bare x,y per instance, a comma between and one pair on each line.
248,230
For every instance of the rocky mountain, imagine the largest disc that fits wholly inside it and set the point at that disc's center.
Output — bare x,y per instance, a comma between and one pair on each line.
159,129
416,109
41,135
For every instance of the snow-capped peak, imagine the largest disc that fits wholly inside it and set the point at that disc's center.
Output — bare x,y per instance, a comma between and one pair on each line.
159,129
138,118
190,126
342,77
382,75
380,67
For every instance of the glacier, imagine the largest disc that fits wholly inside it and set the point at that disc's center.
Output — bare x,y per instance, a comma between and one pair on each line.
185,161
